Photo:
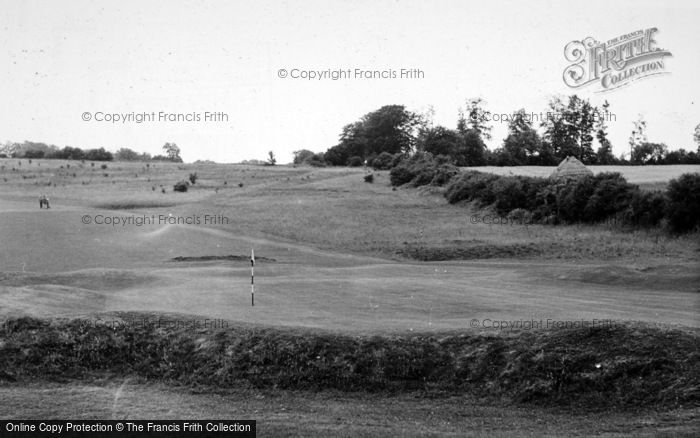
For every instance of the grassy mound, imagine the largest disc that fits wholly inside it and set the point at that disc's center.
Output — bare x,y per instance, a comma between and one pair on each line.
623,365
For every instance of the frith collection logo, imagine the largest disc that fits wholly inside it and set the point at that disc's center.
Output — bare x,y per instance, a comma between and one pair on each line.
614,63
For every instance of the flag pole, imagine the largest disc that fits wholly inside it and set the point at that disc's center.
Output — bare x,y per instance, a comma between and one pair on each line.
252,277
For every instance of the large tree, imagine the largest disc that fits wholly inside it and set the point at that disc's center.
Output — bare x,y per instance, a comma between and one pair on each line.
523,145
391,128
473,126
302,156
172,152
337,155
568,128
649,153
98,155
604,154
441,141
475,117
126,154
637,138
473,149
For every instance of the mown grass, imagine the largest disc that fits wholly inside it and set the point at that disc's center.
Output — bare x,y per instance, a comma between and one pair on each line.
334,209
592,367
345,214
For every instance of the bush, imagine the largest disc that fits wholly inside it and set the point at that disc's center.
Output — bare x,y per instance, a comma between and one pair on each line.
423,173
336,156
572,197
400,175
646,209
369,178
520,216
181,186
472,186
510,194
612,195
355,161
423,169
103,167
383,161
317,160
545,204
443,174
683,208
585,199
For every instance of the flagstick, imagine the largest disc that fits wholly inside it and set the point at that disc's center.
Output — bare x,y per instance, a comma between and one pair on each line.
252,278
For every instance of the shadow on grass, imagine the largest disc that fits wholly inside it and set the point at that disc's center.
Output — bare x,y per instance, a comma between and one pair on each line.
132,205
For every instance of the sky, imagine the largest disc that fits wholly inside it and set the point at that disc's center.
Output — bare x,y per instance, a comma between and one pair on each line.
62,62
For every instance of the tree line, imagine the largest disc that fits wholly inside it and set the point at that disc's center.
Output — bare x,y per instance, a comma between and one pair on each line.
29,149
570,130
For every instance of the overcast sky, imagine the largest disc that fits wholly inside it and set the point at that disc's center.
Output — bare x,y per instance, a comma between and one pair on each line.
60,59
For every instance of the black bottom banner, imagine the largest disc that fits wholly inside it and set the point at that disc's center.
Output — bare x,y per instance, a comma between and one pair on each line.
132,428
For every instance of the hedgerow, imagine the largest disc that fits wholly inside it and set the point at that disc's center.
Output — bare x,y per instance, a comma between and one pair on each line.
585,199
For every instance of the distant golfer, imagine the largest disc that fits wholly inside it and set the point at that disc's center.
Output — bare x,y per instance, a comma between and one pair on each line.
44,200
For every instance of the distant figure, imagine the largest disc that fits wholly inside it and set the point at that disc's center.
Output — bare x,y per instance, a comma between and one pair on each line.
44,200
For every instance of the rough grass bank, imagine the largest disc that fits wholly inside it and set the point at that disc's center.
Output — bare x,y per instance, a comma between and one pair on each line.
631,365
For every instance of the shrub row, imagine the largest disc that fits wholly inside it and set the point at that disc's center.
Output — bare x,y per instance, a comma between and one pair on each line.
683,205
587,199
386,161
423,169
